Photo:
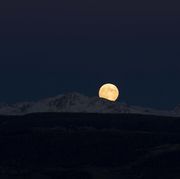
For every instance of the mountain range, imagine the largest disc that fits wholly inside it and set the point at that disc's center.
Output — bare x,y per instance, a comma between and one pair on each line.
72,136
75,102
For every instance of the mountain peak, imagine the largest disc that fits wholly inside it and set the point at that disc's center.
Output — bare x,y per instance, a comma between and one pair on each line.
76,102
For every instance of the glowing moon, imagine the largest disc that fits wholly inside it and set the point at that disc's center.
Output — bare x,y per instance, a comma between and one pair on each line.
109,91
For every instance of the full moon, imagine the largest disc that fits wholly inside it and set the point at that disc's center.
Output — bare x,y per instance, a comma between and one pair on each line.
109,91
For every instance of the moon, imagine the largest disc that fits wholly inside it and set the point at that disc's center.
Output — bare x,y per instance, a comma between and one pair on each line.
109,91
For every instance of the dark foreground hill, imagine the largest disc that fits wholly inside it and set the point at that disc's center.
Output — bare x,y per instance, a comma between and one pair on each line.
89,146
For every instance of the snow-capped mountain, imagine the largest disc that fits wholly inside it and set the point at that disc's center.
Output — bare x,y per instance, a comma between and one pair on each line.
177,109
75,102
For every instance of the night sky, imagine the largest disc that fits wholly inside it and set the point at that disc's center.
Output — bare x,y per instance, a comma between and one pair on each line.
49,48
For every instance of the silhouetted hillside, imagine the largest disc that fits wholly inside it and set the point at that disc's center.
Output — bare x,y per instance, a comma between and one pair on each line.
89,146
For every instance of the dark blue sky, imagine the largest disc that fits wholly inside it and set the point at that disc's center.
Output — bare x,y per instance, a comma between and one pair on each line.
48,48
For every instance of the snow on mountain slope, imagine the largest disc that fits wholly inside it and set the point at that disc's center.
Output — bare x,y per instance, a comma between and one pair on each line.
177,109
75,102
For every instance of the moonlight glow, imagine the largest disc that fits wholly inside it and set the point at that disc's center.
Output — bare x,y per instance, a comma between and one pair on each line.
109,91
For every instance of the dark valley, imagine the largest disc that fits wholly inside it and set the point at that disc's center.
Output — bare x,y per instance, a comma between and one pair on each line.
89,146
